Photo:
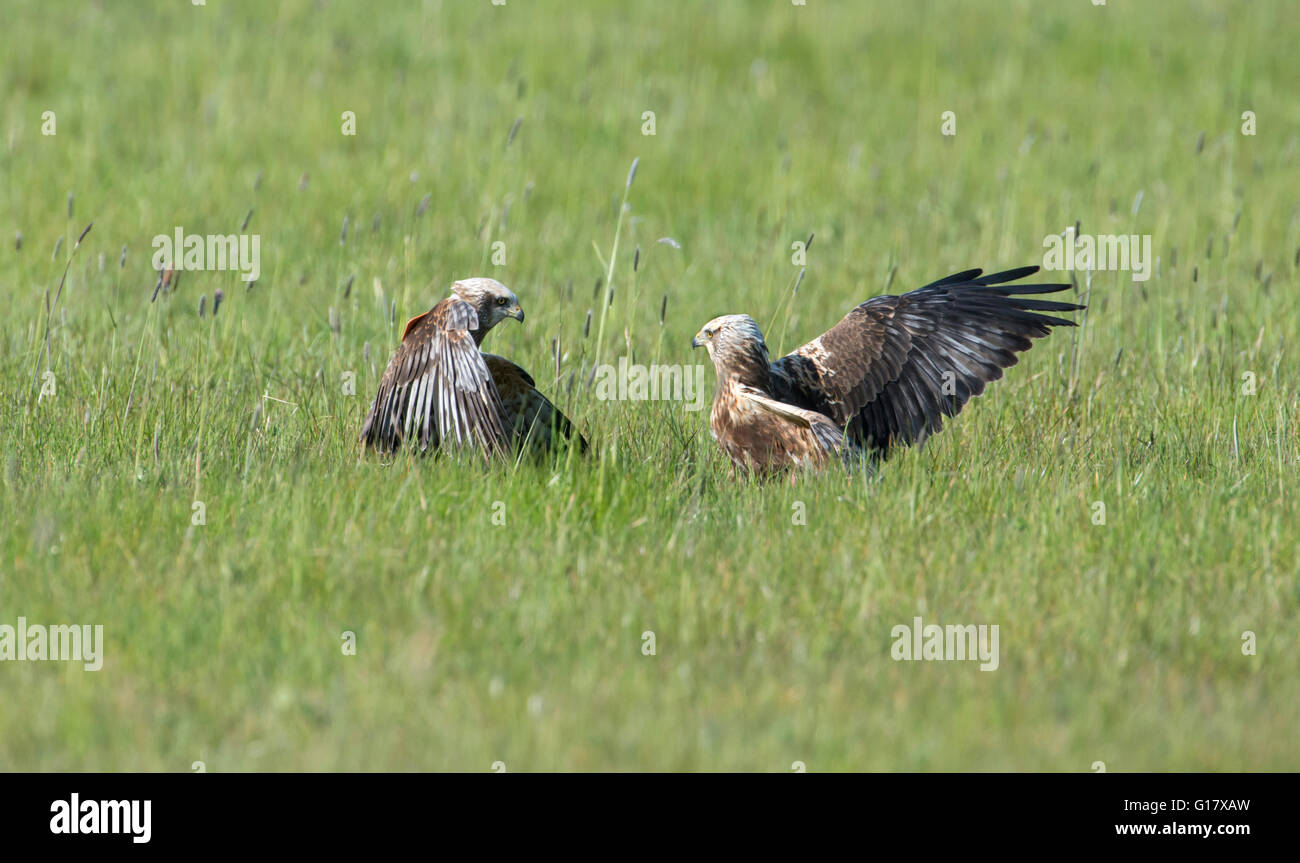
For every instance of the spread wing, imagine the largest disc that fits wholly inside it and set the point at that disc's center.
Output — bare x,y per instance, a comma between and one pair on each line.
529,415
895,366
437,389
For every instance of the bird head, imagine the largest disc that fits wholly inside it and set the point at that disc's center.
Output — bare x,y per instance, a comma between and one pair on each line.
492,301
734,343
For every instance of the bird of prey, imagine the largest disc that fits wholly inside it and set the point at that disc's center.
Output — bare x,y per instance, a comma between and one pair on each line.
885,375
441,390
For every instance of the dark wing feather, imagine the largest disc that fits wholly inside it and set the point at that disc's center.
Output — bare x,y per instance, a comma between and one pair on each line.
529,415
437,389
882,370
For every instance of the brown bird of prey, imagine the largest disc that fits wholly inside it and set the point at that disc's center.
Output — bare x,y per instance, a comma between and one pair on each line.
885,375
441,390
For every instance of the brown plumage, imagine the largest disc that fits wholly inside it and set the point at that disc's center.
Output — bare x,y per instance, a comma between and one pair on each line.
441,390
885,375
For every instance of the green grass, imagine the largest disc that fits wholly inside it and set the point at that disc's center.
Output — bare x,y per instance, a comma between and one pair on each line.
522,643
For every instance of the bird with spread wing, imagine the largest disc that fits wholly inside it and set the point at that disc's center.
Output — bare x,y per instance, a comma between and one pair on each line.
441,390
886,375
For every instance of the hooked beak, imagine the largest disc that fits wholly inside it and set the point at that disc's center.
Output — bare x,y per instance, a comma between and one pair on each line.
698,341
517,313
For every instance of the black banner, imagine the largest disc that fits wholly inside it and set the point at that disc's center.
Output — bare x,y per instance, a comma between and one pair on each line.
139,812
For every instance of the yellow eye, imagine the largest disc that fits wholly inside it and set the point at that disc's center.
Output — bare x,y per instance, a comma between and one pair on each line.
501,301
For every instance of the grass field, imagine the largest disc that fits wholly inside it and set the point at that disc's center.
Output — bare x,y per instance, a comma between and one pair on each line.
523,643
